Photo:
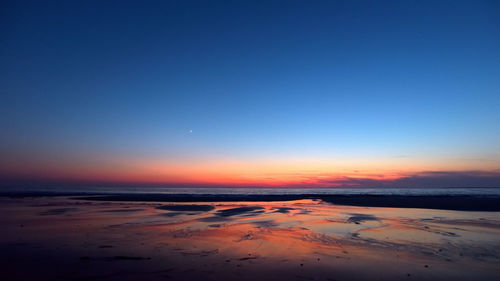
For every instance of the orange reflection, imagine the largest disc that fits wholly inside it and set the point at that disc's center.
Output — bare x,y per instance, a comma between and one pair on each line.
253,239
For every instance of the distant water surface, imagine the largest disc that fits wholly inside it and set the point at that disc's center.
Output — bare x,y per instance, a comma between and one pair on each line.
273,191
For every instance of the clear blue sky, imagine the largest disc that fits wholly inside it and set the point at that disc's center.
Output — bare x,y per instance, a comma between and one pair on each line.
98,82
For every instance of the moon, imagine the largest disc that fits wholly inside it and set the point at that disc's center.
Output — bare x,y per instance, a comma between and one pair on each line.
190,131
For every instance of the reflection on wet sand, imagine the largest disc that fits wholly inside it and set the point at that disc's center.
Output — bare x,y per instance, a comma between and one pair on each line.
59,238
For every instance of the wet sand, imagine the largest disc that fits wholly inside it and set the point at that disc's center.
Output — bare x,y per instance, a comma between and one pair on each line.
63,238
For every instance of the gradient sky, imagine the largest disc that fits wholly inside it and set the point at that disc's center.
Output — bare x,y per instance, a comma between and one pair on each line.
250,93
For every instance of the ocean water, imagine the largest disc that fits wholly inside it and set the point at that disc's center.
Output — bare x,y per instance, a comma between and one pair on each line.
270,191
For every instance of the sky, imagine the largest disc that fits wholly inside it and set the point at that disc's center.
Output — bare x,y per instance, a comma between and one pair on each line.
250,93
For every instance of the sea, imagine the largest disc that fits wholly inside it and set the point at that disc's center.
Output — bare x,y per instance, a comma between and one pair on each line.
472,191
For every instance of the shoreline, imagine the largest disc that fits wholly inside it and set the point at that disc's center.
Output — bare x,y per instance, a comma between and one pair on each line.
440,202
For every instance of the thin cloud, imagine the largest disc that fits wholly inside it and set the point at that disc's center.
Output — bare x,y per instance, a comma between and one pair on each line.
424,179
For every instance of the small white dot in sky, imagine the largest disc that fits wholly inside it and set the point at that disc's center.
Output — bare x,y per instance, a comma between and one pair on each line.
190,131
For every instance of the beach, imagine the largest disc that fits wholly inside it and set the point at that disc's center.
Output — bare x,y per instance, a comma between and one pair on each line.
77,238
250,140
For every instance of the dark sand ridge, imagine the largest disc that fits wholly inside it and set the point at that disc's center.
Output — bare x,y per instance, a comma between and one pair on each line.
459,203
455,202
442,202
193,208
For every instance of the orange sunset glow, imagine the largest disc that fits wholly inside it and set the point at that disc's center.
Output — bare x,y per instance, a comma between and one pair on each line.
271,173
